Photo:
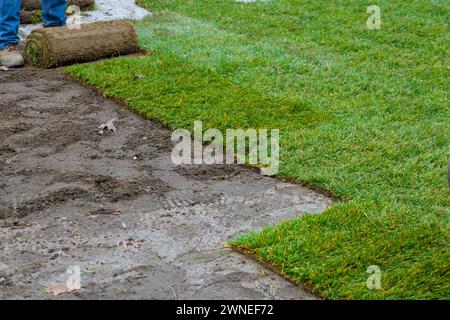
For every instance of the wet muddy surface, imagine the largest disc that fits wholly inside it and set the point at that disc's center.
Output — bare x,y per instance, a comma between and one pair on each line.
74,196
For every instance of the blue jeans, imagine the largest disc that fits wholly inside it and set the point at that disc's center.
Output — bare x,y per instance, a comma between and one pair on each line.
53,15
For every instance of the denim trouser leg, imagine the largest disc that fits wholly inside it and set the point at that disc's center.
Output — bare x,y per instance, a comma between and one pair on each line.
53,13
9,22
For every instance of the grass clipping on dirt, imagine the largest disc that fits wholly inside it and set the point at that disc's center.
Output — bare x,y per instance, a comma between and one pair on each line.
52,47
362,114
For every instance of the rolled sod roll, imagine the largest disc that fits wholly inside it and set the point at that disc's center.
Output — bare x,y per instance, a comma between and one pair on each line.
31,5
31,9
52,47
30,17
83,4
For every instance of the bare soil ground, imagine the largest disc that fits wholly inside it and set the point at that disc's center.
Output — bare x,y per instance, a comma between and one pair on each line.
69,195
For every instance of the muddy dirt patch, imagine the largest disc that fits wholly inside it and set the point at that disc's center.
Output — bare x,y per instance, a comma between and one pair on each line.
212,172
114,189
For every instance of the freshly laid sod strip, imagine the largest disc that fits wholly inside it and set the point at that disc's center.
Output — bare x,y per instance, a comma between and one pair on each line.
362,114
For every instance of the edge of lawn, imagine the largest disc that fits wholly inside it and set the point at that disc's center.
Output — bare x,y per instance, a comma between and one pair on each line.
253,255
234,245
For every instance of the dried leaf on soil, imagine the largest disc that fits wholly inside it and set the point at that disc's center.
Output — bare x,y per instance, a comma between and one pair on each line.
109,125
136,244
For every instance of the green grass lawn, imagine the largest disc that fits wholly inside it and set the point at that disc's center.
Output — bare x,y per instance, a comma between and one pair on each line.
362,114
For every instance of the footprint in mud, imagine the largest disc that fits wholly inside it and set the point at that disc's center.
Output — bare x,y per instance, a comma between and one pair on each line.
211,172
7,150
62,135
184,199
113,189
36,205
20,127
148,142
9,111
91,188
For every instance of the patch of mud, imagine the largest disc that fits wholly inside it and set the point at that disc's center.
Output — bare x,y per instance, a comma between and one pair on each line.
10,111
211,172
62,135
16,128
146,137
113,189
71,197
51,200
7,149
117,191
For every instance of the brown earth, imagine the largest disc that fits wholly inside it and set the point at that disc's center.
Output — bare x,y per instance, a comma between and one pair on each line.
70,194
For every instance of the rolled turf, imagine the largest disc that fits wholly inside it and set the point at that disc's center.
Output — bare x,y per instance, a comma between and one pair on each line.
52,47
30,16
31,9
30,5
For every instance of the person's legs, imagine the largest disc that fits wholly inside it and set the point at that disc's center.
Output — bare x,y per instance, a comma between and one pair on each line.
53,13
9,22
9,33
